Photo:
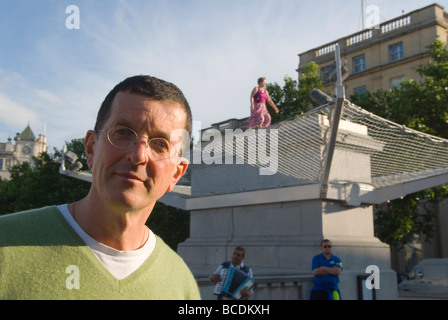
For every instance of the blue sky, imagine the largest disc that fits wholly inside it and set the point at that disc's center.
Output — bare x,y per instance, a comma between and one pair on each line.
55,78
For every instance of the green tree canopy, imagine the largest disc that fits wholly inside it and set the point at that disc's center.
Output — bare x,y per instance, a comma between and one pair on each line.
37,185
418,105
422,106
293,98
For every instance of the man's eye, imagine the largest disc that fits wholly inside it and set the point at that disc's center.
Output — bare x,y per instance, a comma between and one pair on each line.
124,132
160,145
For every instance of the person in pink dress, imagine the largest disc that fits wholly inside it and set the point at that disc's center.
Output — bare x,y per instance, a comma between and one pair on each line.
259,115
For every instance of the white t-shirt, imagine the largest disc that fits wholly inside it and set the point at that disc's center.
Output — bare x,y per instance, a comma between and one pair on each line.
119,263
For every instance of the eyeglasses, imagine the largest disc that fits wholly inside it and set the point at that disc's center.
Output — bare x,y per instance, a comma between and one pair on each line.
125,138
327,246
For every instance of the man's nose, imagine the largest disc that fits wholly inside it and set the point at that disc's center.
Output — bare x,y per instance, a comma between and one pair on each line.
139,153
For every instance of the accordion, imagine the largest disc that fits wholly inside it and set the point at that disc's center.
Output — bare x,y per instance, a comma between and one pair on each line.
232,281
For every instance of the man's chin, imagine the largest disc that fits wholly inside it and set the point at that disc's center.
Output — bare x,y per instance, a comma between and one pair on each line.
129,200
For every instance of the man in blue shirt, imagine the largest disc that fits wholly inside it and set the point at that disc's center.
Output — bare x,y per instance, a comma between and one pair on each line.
326,270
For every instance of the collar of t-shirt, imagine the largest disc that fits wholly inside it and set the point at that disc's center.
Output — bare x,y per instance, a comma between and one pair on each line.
119,263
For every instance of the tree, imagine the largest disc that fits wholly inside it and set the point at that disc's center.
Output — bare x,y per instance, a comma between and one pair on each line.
171,224
294,98
402,219
427,100
421,106
39,184
418,105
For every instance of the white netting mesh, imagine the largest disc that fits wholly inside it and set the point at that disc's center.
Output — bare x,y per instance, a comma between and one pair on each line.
407,154
369,149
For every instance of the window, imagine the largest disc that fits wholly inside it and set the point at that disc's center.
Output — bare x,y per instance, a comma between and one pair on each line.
396,52
325,72
360,90
1,164
359,64
396,82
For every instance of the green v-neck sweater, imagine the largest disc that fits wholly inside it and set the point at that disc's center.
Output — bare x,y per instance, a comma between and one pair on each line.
42,257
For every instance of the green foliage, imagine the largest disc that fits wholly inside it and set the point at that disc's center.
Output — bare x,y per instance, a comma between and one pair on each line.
402,219
428,99
293,98
171,224
421,106
39,185
418,105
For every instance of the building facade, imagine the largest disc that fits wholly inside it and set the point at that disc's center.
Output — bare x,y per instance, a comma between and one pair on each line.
24,147
379,58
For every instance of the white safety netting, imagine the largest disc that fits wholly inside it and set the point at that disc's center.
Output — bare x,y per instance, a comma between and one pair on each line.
369,150
406,155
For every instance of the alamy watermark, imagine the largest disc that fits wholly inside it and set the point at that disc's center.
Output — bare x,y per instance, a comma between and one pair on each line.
73,21
258,147
372,17
73,280
373,280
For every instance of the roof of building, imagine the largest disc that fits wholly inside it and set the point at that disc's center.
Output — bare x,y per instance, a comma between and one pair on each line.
27,134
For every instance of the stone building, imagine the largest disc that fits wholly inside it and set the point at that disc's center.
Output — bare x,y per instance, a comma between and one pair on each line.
379,58
22,148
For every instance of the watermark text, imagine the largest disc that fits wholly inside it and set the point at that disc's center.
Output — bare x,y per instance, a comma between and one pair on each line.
73,21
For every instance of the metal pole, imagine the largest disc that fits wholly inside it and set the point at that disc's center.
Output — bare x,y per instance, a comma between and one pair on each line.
334,125
362,15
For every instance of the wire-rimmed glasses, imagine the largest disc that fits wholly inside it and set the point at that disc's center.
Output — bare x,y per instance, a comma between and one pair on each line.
123,137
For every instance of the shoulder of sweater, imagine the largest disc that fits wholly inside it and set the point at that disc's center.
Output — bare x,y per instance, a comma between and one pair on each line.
27,214
165,254
32,227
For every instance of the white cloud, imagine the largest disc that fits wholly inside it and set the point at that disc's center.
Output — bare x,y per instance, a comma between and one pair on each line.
48,98
14,114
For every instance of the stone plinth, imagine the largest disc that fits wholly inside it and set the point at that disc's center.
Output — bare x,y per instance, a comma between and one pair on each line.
281,228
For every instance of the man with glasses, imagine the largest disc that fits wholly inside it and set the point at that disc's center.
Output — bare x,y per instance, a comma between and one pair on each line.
326,270
99,247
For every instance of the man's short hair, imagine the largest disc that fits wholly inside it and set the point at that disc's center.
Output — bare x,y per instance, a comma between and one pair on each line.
240,248
151,87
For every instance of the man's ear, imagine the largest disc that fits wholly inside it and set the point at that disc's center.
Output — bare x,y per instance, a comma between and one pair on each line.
180,170
89,147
